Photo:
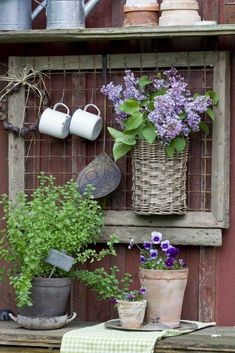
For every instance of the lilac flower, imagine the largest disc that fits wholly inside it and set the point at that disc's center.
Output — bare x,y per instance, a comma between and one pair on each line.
163,101
156,237
165,245
147,245
131,91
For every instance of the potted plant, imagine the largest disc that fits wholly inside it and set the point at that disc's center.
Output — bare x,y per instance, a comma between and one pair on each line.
53,217
156,114
130,303
165,278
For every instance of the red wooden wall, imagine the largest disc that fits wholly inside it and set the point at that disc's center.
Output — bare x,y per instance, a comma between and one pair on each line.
210,293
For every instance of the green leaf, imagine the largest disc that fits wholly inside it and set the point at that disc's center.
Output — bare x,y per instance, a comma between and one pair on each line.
180,144
114,133
127,139
204,127
210,113
134,121
149,133
120,149
129,106
170,149
214,96
143,81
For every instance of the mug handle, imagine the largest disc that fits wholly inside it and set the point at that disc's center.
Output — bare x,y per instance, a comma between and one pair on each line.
63,105
92,105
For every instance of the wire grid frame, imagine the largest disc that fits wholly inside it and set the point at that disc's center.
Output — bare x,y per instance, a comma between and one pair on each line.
66,158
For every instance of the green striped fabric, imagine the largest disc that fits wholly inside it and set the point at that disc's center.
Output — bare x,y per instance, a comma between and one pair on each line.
99,339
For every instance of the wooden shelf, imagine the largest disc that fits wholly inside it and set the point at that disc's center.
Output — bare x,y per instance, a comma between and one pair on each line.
115,33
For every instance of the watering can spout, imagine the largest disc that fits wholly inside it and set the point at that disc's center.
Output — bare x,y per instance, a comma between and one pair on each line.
89,6
39,9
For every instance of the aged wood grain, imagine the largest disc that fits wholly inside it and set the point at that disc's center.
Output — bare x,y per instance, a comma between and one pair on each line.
213,339
115,33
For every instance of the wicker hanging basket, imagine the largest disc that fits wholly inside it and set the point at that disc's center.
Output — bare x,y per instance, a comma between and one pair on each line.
158,182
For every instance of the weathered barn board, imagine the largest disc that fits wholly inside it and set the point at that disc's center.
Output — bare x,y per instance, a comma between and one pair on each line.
15,339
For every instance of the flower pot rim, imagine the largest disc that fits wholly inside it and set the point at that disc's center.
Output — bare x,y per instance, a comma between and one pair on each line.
185,269
133,301
144,8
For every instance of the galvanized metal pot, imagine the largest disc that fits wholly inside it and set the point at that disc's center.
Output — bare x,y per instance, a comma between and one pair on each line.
49,297
15,14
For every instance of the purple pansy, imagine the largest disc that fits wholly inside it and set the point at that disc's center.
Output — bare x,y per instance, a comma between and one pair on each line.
165,245
169,262
156,237
147,245
153,253
172,251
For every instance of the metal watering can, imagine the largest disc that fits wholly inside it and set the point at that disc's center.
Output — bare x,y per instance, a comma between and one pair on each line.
61,14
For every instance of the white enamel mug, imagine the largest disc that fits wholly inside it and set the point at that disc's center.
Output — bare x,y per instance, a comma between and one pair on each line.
86,124
55,123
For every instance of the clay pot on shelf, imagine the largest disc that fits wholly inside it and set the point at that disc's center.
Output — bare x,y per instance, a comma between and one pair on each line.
179,13
131,314
141,13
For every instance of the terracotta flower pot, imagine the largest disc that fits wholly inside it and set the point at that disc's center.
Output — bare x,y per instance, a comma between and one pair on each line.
179,12
165,293
131,314
141,13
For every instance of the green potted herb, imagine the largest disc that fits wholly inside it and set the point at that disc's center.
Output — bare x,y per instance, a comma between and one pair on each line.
53,217
130,303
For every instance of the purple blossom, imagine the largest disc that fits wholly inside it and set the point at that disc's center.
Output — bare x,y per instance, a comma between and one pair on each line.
182,263
142,290
156,237
130,296
147,245
172,251
165,245
142,259
113,300
153,253
131,91
169,262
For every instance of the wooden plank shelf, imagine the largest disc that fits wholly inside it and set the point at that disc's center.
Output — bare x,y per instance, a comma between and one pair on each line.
114,33
14,339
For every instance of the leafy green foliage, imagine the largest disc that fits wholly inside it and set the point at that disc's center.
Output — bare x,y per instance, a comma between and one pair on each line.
57,217
107,285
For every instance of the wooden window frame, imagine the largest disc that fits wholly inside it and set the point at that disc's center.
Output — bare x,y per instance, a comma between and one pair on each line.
194,228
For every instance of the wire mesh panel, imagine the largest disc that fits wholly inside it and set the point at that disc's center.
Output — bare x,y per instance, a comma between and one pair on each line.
66,158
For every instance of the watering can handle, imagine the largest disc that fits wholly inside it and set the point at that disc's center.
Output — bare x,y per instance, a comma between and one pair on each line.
41,5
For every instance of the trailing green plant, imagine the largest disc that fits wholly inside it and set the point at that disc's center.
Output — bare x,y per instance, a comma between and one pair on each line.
54,216
108,285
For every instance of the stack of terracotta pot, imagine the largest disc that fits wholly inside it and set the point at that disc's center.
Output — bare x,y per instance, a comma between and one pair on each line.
173,13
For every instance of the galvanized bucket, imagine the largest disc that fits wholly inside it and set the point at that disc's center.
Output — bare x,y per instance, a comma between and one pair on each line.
15,14
63,14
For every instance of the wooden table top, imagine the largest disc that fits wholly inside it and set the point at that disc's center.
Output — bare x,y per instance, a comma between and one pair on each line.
211,339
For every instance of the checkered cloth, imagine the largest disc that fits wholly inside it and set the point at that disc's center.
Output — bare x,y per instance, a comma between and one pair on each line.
99,339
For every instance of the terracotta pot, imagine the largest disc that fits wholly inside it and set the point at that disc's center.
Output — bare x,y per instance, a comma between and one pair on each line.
141,13
179,12
131,314
165,293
